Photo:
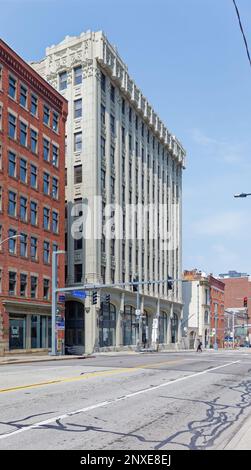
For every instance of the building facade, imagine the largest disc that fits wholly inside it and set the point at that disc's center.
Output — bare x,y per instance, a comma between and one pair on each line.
119,156
217,307
32,155
196,310
238,308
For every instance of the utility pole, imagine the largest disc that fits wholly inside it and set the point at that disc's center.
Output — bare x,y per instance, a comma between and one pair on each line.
54,301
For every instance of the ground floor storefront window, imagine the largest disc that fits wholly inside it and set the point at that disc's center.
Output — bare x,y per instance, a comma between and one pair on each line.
74,324
107,325
174,328
129,326
29,331
163,328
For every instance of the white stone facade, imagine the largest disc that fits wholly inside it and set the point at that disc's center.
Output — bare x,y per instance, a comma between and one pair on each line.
128,157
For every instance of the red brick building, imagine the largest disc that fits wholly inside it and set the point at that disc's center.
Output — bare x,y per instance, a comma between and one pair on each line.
217,318
32,198
236,289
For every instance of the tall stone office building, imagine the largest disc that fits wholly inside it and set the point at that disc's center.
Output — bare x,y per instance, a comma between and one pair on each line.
118,152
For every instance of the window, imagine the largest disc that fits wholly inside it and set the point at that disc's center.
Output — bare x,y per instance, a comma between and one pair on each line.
23,170
33,108
78,75
136,122
55,155
102,147
12,164
33,287
112,124
78,269
23,245
113,247
123,135
130,114
12,87
33,248
12,282
78,142
33,140
54,187
46,252
23,208
12,126
102,180
46,183
1,116
46,149
102,114
62,81
123,106
46,218
55,120
112,155
103,82
23,134
142,129
112,93
33,209
46,289
112,185
33,176
55,222
46,115
130,142
23,285
77,174
12,241
77,108
12,206
23,96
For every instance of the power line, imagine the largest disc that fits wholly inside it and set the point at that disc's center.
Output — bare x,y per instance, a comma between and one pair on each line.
243,34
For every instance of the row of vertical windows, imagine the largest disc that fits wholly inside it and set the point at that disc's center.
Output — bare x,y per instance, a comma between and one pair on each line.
25,283
77,78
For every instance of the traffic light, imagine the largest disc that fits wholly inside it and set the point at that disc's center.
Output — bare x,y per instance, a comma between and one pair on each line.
107,298
135,286
245,302
94,298
169,283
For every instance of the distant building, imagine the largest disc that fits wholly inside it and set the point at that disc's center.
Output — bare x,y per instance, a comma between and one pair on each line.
237,291
196,309
232,274
217,288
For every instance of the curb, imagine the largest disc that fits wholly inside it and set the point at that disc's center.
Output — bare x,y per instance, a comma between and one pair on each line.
48,359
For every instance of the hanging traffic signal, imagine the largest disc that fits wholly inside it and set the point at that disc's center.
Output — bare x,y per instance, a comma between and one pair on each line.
94,298
169,283
245,302
135,286
107,298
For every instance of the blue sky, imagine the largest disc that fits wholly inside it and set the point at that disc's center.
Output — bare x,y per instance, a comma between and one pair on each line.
188,57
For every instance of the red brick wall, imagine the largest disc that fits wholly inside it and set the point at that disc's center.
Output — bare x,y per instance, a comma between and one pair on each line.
217,296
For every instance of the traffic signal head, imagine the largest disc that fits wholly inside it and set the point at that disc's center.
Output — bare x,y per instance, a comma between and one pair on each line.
169,283
135,286
245,302
107,298
94,298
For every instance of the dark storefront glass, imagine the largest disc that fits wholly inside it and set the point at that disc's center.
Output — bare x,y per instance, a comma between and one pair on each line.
163,328
17,333
129,326
107,325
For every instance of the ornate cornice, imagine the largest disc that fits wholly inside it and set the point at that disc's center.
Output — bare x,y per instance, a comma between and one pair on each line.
30,76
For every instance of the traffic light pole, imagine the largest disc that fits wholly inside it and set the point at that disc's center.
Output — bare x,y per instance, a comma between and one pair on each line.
55,290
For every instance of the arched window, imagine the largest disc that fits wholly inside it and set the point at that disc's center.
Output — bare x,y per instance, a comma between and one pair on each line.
107,325
206,317
174,328
162,328
129,326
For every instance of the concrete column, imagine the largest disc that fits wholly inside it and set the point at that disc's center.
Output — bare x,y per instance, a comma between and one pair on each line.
119,313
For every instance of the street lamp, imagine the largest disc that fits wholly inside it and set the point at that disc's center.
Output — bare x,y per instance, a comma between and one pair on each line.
54,301
242,195
9,238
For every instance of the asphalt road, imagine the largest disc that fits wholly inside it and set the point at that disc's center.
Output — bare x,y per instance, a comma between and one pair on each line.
160,401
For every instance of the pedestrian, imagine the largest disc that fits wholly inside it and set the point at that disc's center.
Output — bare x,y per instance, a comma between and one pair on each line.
199,348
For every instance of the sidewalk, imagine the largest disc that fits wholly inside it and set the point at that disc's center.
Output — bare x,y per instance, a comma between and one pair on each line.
242,439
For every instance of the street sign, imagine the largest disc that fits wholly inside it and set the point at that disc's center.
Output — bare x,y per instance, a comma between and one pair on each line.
137,312
61,298
81,294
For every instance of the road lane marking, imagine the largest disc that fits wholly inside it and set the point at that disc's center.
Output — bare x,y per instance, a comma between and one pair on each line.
88,375
110,402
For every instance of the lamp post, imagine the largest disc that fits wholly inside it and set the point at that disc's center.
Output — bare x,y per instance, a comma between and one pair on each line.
10,238
242,195
54,301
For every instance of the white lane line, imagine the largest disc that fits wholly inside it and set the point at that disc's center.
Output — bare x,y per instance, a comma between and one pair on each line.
110,402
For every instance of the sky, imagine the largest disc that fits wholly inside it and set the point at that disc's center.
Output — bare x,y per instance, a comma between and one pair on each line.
189,59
